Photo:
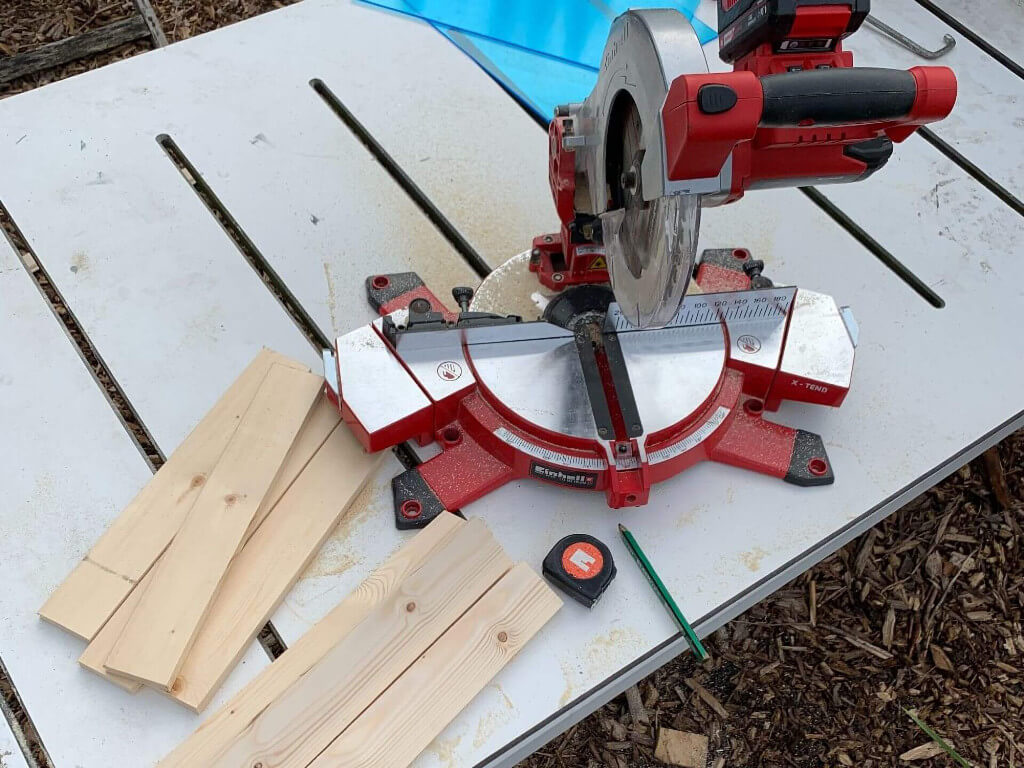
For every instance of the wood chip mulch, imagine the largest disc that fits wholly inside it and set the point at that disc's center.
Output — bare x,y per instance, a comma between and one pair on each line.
923,612
27,24
182,19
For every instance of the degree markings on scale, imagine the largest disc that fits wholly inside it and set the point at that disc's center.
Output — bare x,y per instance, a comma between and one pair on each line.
714,308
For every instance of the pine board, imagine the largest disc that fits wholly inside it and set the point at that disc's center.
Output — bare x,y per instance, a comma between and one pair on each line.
230,721
298,725
321,423
185,582
137,537
268,565
443,681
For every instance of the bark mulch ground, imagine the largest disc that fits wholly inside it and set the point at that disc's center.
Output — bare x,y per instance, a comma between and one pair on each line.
922,613
27,24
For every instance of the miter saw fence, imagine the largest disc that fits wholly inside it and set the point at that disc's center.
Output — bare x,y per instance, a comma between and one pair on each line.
658,126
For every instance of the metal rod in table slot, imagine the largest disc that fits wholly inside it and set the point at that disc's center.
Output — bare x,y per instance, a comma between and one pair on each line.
663,593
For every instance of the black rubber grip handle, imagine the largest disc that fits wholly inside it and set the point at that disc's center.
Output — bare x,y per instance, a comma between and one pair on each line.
837,96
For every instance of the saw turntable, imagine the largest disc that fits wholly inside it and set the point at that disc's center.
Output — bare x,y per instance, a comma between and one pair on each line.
609,357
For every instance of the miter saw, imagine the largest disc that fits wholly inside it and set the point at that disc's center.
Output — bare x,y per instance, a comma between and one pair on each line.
616,388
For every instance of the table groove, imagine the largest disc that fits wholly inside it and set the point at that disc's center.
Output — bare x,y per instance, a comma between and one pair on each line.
87,351
951,21
10,703
448,230
271,280
972,170
846,222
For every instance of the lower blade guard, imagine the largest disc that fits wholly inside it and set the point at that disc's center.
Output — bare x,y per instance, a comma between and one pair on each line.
651,251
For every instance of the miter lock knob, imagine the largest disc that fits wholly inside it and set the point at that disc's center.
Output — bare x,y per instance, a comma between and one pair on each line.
753,269
462,296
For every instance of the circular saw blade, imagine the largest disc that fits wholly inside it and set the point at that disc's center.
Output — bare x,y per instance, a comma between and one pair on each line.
650,245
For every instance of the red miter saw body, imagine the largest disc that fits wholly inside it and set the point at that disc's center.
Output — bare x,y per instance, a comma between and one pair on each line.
588,400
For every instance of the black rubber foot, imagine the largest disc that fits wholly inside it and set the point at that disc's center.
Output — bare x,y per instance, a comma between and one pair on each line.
809,464
416,505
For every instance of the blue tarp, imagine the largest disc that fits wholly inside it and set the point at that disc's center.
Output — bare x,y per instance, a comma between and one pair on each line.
545,52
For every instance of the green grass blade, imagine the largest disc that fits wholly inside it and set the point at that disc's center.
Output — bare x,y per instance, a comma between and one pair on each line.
936,738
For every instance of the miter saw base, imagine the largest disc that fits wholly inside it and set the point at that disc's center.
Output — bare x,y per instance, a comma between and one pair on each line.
581,398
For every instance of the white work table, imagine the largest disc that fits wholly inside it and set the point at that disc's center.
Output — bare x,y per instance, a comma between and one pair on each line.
175,312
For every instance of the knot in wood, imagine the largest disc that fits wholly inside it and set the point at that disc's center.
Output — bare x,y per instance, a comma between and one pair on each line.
410,607
503,637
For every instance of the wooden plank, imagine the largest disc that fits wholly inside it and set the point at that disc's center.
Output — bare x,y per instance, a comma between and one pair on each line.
317,429
185,582
687,750
77,47
133,542
314,433
230,721
303,721
156,32
270,563
443,681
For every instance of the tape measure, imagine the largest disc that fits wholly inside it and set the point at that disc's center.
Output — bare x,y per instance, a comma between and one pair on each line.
581,566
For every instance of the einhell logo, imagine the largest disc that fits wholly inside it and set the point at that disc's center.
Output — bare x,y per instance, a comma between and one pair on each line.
563,476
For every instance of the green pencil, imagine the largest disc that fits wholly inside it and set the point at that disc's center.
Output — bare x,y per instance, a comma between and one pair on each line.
663,593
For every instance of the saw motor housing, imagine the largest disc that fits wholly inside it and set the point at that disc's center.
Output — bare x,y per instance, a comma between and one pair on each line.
793,112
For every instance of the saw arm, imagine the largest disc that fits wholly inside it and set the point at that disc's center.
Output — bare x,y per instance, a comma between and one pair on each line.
818,126
659,126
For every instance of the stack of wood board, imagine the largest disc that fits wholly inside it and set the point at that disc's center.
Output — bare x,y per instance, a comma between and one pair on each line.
424,633
183,580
